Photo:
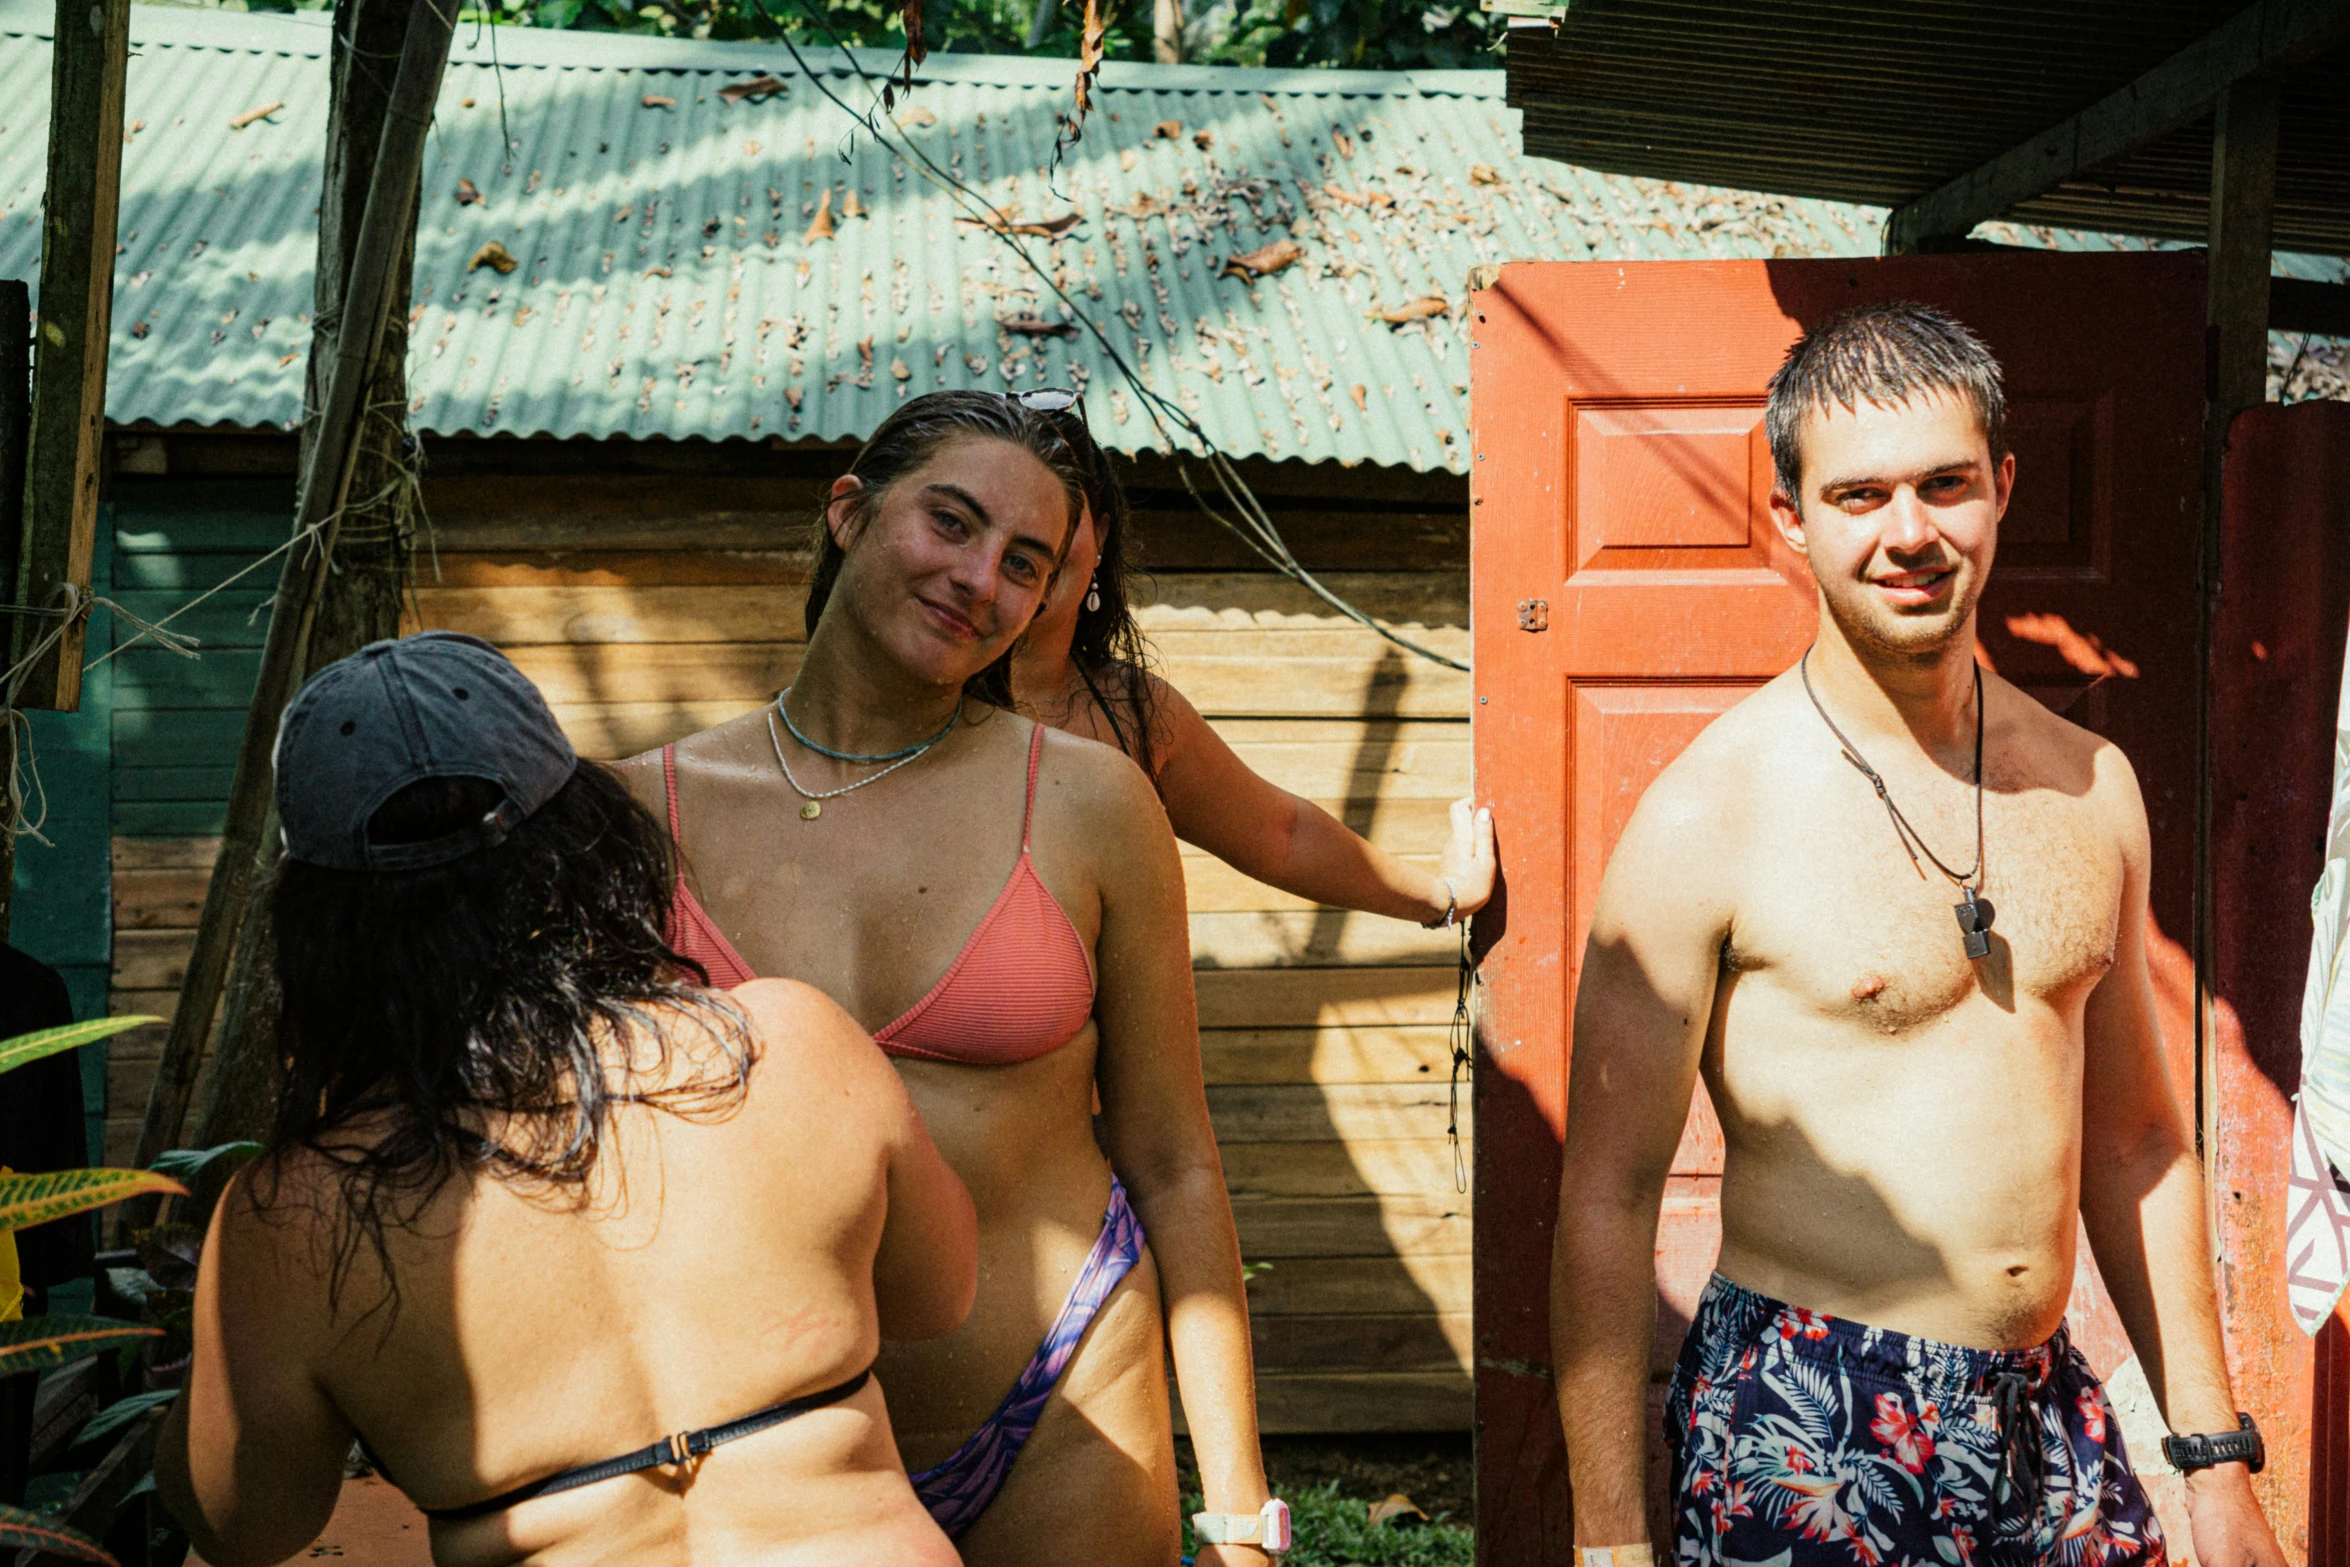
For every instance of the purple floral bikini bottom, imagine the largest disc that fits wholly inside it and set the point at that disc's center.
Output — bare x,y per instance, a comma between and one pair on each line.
1805,1440
958,1490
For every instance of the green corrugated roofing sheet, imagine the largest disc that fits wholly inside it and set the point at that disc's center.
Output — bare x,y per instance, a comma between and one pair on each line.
666,289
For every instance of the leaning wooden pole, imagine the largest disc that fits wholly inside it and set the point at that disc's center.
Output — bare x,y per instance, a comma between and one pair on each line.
384,234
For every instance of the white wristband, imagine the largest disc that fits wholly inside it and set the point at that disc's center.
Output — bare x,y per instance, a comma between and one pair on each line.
1267,1529
1642,1555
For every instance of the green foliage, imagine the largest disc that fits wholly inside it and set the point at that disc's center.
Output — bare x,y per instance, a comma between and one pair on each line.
1334,1530
122,1412
20,1530
185,1164
45,1343
48,1041
1355,35
27,1200
1369,35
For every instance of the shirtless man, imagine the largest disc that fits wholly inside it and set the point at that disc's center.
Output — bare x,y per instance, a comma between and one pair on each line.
1915,1109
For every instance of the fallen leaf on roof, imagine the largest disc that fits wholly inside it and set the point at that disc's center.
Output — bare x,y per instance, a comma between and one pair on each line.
1167,130
1203,139
1359,395
656,272
751,149
1143,206
898,371
757,87
1005,220
1484,174
1338,192
1128,159
918,115
284,360
1033,326
139,329
851,207
136,127
1414,310
820,227
865,352
654,100
261,111
793,395
495,255
1265,262
1398,1511
465,103
624,214
1343,142
467,195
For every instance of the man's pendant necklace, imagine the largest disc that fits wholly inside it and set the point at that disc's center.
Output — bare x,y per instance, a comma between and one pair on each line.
812,802
1974,911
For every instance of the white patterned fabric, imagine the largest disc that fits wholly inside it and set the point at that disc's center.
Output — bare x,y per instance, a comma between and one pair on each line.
2317,1223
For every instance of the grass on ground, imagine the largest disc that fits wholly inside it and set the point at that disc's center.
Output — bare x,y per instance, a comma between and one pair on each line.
1330,1485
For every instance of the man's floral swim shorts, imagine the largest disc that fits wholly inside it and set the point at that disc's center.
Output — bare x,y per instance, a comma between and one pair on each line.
1804,1440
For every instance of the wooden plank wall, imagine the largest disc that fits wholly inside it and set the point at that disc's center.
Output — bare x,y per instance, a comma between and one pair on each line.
649,605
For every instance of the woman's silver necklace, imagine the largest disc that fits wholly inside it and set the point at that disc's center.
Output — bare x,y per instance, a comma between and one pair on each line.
812,801
1974,911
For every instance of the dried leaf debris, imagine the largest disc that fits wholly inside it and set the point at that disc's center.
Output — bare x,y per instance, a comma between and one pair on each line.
260,111
1264,262
493,255
762,86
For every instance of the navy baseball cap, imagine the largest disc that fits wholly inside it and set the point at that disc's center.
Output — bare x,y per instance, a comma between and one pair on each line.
435,705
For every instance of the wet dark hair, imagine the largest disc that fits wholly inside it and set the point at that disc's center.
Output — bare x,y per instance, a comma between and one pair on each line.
415,1007
1882,354
1108,648
912,436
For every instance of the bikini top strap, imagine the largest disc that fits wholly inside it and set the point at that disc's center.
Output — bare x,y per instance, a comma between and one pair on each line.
1028,811
669,777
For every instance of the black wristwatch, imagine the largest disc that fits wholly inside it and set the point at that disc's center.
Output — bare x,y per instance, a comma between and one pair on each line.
2242,1445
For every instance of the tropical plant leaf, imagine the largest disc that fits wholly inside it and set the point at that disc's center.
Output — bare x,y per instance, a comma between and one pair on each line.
186,1163
171,1254
20,1530
45,1343
122,1412
48,1041
27,1200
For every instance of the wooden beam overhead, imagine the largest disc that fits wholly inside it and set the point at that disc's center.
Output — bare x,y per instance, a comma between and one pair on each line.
2272,36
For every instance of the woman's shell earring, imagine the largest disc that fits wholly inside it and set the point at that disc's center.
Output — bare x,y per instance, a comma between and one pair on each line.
1093,593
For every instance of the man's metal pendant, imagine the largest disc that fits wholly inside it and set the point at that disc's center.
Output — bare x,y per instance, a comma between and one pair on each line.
1974,923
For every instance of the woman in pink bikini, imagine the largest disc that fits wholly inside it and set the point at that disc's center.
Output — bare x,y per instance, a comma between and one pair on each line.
1001,905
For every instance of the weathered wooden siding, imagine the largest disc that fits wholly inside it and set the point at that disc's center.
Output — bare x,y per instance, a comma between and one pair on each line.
647,606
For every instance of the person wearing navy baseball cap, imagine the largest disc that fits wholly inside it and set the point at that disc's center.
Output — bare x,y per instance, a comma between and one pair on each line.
518,1143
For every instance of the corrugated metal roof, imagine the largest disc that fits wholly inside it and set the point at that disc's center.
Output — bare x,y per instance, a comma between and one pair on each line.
665,288
1885,100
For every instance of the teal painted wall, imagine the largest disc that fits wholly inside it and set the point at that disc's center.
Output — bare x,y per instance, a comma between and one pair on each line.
177,721
62,909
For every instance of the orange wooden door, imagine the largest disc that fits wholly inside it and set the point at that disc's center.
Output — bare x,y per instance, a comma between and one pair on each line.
1627,586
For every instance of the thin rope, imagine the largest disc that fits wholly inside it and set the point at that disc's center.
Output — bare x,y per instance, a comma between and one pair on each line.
1909,836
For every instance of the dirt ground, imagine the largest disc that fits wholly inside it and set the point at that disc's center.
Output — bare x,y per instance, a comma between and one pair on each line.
1433,1469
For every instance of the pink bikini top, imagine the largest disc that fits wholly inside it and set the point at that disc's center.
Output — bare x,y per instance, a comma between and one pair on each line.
1022,987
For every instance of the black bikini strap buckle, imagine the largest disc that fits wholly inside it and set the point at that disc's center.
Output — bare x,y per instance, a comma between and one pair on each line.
681,1448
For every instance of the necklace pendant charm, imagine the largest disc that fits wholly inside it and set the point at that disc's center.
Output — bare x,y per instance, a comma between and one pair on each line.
1974,924
811,810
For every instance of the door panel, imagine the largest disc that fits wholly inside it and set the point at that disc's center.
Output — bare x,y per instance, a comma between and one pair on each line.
1627,586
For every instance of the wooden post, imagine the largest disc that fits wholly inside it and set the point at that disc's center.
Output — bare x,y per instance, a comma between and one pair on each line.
364,598
16,410
77,308
2243,205
385,233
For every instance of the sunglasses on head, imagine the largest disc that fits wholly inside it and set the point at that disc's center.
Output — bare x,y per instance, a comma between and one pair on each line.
1060,402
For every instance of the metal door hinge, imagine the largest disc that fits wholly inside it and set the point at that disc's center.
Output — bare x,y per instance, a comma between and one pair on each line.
1533,614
